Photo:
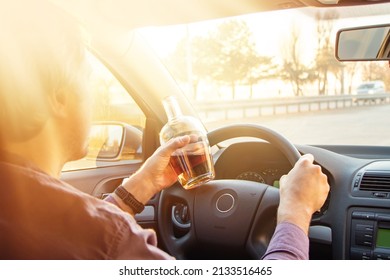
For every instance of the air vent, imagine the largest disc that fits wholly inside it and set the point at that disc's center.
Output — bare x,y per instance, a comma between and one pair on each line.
375,181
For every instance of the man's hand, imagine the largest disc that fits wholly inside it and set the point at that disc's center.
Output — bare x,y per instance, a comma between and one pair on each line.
156,173
302,192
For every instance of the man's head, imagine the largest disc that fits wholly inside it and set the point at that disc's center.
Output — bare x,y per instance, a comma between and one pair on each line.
42,76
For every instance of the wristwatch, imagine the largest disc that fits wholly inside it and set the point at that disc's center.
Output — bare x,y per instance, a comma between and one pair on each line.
129,200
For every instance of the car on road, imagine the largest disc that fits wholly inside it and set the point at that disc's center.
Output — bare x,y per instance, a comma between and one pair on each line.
245,51
373,87
364,90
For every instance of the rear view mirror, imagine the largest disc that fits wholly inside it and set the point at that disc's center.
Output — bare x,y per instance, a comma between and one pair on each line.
112,141
367,43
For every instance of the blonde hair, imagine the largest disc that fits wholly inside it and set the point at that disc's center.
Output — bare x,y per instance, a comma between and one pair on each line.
41,52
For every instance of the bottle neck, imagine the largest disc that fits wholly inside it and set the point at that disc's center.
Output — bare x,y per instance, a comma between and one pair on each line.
172,108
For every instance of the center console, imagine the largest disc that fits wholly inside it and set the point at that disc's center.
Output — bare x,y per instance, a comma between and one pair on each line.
370,234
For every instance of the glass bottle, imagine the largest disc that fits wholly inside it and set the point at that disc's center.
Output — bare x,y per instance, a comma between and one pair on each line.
193,163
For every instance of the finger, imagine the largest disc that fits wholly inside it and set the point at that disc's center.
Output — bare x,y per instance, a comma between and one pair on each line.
196,148
194,138
307,158
174,144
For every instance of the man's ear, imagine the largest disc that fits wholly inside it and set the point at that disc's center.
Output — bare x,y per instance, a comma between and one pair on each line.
59,102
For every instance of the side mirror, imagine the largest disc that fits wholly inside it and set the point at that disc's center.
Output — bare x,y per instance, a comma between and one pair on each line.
368,43
113,141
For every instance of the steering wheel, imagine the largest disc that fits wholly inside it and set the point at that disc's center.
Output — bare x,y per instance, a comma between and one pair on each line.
224,215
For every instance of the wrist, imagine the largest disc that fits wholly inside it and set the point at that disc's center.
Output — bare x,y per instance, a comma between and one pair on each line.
140,187
300,218
128,202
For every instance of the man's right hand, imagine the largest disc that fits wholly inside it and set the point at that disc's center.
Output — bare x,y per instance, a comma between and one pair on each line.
303,191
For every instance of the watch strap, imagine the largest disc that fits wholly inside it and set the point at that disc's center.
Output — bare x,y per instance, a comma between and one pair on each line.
129,199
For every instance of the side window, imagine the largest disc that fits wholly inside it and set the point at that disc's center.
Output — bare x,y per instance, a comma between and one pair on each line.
118,123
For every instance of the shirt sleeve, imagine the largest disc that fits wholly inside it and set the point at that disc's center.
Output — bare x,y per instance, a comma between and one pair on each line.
289,242
137,243
132,241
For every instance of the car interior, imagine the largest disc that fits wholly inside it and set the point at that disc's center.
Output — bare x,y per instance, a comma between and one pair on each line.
250,154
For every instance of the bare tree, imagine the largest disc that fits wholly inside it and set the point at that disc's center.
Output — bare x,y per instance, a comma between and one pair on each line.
350,70
377,71
293,70
325,61
262,68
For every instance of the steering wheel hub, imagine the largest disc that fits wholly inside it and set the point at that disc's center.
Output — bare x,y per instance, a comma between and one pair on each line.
225,203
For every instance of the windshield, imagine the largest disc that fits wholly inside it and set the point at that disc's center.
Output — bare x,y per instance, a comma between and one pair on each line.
277,69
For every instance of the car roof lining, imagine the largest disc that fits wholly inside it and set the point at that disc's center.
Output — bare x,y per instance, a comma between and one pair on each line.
132,14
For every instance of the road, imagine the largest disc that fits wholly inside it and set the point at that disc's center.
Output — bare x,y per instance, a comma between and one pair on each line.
365,125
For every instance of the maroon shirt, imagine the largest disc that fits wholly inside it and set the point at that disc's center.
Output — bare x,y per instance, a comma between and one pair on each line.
45,218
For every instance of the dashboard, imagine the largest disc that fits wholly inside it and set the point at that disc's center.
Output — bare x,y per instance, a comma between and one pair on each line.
254,161
355,220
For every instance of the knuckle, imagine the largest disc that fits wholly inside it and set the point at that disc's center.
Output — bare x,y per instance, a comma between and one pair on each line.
317,168
304,162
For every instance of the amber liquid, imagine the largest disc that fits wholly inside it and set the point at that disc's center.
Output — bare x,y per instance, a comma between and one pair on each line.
192,170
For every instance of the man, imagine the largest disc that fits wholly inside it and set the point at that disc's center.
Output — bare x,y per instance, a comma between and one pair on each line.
44,122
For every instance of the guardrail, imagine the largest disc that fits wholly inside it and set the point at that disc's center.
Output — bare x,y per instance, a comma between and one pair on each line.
272,106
